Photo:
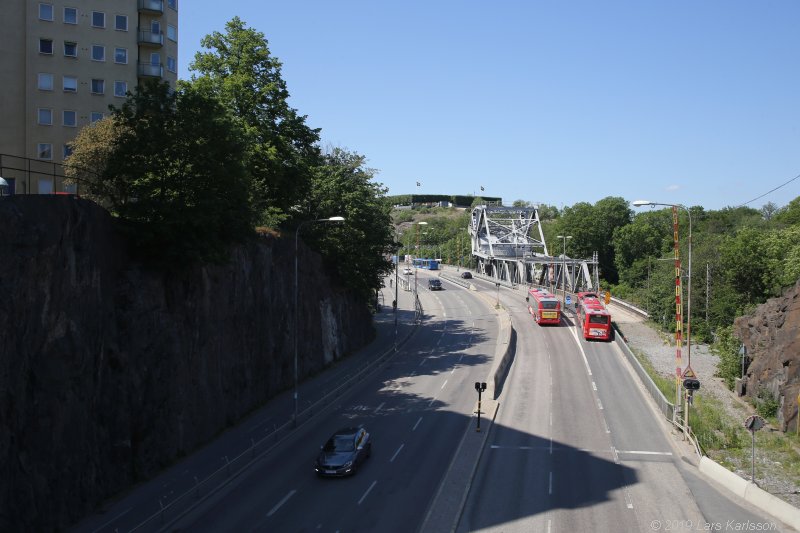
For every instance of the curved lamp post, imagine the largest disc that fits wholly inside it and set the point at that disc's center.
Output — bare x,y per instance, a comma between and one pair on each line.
296,238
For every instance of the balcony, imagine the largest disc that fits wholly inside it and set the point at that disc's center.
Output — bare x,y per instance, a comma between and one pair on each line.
148,38
147,70
151,6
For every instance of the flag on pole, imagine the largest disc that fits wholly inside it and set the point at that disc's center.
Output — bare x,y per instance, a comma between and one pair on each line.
418,184
481,187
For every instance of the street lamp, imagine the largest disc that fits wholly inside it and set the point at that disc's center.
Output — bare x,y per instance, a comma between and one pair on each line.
296,238
564,264
416,256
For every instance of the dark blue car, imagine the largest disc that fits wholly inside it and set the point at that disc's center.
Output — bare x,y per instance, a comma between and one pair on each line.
344,452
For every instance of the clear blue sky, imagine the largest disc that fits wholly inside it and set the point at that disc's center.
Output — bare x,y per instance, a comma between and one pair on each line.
687,101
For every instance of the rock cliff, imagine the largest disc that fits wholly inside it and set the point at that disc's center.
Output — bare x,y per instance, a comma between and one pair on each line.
109,372
771,335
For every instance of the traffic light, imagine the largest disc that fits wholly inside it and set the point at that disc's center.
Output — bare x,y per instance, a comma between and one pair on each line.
691,384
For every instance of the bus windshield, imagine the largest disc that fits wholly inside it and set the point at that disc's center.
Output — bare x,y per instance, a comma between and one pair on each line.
549,304
598,319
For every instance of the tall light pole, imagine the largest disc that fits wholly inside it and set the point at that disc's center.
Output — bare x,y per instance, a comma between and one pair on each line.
564,264
416,256
296,238
679,373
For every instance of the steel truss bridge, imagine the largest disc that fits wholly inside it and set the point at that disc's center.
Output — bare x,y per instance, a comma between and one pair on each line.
508,245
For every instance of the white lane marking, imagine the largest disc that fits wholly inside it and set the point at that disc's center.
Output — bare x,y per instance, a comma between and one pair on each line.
431,402
278,505
599,404
369,489
628,500
594,386
123,513
451,372
548,526
395,453
415,425
640,452
578,342
443,384
550,488
379,407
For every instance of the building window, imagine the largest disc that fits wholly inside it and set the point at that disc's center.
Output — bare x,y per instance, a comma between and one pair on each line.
98,86
120,88
46,184
96,115
45,11
70,84
45,116
173,4
70,118
45,46
70,15
70,49
45,82
44,151
98,19
98,52
172,32
172,65
121,22
120,55
67,151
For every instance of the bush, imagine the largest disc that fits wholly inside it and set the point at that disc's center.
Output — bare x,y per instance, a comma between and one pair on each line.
730,363
766,404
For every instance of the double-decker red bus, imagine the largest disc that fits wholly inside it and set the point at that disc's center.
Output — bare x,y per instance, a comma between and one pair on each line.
592,316
543,307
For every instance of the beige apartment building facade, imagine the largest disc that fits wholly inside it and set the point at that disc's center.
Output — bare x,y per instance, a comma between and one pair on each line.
63,63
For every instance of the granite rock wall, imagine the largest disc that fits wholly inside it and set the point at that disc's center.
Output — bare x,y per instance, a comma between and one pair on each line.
110,372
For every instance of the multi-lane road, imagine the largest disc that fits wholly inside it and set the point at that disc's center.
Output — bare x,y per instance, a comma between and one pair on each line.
575,446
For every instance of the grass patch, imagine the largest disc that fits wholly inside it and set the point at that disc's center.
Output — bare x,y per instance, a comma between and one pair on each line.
665,385
715,430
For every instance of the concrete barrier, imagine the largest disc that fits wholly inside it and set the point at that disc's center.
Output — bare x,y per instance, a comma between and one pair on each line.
751,492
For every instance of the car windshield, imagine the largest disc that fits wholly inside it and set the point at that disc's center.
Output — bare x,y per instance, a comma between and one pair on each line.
340,443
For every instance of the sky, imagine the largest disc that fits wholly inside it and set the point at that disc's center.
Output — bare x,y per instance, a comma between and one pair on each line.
552,102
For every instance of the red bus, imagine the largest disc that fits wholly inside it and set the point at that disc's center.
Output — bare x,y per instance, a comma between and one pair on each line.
543,307
592,317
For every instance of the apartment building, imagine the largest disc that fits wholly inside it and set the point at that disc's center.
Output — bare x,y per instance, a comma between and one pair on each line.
63,63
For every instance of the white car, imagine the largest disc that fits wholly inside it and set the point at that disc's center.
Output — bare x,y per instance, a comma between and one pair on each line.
407,270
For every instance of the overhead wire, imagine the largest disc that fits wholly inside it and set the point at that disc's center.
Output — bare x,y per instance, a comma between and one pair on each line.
769,192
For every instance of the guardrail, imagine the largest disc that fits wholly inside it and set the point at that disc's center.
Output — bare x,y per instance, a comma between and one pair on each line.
630,307
666,407
215,481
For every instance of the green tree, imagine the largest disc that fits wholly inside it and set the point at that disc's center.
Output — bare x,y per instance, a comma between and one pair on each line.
282,150
183,192
359,249
789,214
86,166
592,228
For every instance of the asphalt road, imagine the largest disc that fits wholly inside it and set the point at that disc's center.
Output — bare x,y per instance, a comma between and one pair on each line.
577,446
416,408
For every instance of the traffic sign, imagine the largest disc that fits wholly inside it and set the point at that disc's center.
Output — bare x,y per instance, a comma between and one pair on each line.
568,301
754,423
689,373
607,298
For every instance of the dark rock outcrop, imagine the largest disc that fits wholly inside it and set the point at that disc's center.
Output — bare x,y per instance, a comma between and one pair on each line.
109,371
771,335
